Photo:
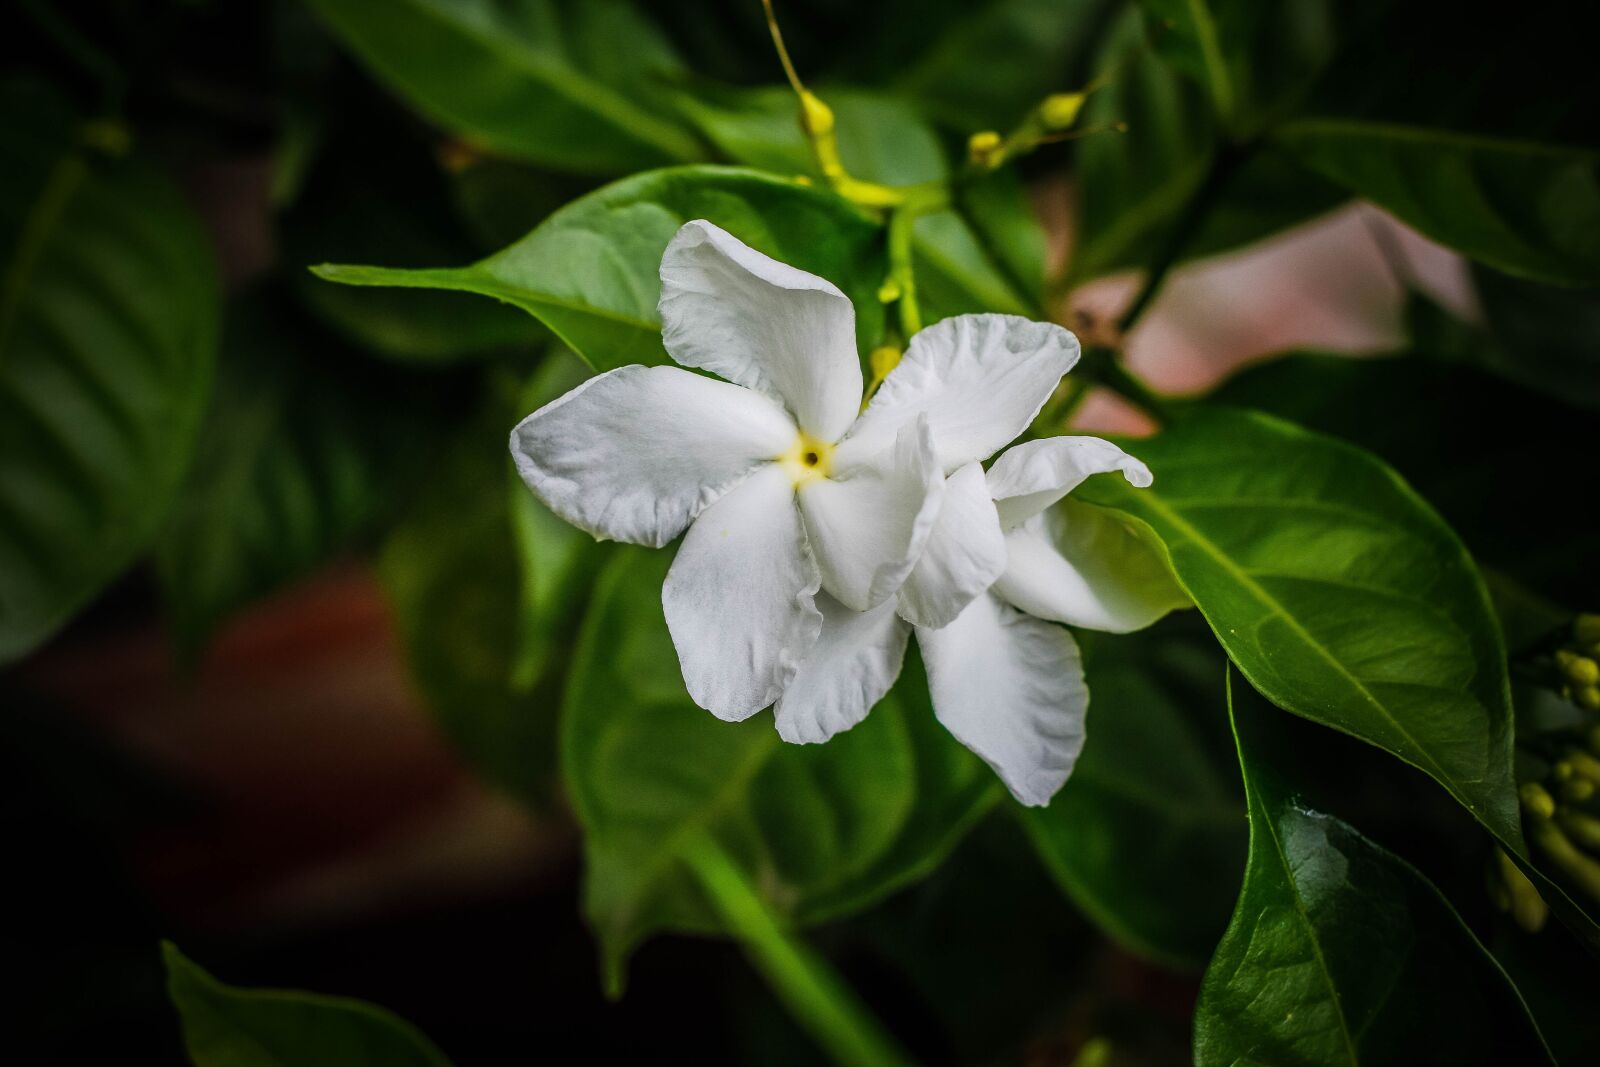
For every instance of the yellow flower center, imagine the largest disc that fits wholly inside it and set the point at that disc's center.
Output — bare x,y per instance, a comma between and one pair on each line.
807,459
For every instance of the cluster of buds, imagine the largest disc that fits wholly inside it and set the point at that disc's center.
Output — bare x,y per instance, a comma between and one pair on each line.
1579,664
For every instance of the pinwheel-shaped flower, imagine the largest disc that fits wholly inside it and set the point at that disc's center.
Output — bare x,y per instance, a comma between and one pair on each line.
795,507
1005,680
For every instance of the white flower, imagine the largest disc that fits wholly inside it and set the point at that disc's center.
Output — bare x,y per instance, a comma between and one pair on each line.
794,506
1005,680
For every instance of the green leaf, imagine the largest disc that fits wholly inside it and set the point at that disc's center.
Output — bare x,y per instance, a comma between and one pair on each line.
485,584
1147,837
881,139
1546,338
378,194
996,206
1499,462
108,324
559,84
1341,953
590,272
1339,593
1134,184
820,830
1000,59
225,1026
295,456
1521,206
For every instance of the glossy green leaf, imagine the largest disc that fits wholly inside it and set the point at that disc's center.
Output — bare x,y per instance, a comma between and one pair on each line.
819,829
1339,593
565,85
1000,58
996,206
1522,206
296,455
1148,835
882,139
1495,459
1341,953
226,1026
1133,184
108,324
590,272
485,583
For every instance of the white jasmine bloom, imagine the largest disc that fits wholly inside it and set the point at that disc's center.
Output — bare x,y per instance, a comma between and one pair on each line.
795,508
1004,678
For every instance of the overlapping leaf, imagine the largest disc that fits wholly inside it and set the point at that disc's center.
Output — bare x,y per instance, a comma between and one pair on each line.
1341,953
819,829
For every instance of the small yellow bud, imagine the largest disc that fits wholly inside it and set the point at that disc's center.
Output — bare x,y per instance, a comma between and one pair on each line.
1537,800
1060,110
816,118
1564,771
1526,905
1581,826
884,359
1586,629
1577,790
889,291
1588,697
1580,670
1583,764
983,148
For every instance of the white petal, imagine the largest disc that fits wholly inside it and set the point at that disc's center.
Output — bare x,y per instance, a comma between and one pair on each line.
1035,474
739,598
1010,687
965,553
635,454
868,523
980,378
853,664
1084,566
728,309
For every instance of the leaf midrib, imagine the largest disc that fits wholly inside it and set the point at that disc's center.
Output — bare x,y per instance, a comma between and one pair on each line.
1271,603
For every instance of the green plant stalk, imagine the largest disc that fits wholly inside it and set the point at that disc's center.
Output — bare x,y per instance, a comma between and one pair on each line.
818,998
902,273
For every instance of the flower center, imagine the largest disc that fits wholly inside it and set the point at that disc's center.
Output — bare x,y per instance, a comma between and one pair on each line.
807,459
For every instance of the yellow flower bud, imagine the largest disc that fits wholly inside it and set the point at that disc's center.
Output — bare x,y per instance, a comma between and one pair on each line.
1580,670
889,291
884,359
1537,800
1060,110
983,148
1577,790
1586,629
1526,905
1588,697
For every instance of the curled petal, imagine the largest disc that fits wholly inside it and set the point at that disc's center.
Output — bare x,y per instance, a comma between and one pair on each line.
1010,687
728,309
635,454
964,555
739,598
1085,566
853,664
868,523
980,379
1035,474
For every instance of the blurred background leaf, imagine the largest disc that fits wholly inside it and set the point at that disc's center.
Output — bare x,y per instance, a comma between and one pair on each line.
567,85
108,332
1147,836
224,1026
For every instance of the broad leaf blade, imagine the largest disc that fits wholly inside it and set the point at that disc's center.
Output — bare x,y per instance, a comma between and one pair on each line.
558,84
590,272
1337,591
1522,206
108,323
1341,953
225,1026
818,828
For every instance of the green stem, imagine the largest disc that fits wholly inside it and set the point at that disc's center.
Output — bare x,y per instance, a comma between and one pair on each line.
902,273
817,997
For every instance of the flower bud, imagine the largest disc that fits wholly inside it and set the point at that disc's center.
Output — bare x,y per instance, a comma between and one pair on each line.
1579,670
1060,110
815,116
983,148
1537,800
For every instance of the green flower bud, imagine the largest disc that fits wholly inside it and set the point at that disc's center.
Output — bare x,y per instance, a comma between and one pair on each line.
1060,110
